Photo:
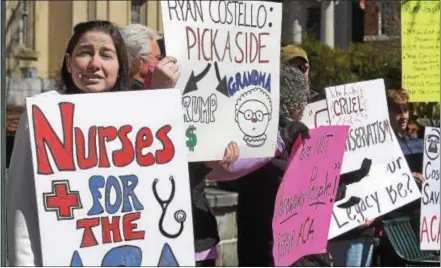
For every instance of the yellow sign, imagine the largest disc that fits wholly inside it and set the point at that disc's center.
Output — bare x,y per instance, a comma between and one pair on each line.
420,50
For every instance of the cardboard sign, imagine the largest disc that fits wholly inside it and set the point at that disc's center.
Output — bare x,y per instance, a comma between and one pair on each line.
386,188
430,198
420,25
228,53
316,114
111,179
363,106
306,196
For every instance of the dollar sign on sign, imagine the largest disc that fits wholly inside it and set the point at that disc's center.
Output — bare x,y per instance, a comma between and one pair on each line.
192,140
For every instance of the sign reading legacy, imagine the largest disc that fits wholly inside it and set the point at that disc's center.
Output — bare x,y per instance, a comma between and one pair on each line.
229,75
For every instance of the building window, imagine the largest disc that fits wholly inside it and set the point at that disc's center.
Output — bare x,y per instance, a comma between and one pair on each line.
388,21
91,10
139,11
26,23
313,21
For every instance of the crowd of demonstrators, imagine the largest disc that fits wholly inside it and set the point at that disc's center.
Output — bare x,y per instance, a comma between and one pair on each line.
100,57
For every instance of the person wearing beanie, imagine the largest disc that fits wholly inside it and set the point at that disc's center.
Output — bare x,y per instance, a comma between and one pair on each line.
257,180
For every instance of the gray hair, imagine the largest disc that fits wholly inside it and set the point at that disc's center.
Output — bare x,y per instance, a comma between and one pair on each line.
135,36
294,90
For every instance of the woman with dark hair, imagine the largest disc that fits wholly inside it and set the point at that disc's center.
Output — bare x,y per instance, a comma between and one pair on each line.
96,60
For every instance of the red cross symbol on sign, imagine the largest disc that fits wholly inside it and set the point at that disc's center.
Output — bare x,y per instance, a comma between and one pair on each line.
62,200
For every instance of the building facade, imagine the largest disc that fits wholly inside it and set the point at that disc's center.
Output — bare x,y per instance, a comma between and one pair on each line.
37,32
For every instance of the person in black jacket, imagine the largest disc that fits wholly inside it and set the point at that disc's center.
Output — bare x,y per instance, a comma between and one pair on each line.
257,190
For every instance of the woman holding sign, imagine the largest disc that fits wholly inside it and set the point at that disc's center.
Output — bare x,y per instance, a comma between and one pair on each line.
96,60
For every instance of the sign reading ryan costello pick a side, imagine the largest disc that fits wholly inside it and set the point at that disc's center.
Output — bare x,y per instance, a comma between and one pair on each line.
229,74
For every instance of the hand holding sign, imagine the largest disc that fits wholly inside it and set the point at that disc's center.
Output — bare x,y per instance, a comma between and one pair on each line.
306,196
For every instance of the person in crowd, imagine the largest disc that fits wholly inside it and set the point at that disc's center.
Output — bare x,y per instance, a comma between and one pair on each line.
412,148
296,57
259,179
356,248
96,60
150,69
406,130
144,45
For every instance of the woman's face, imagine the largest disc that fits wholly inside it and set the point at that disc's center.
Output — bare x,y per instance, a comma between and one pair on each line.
399,117
93,63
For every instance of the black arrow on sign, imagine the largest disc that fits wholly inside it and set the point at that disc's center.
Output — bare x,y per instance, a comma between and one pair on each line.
222,86
194,79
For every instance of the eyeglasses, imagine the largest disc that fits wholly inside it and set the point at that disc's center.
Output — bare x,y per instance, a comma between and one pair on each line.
248,114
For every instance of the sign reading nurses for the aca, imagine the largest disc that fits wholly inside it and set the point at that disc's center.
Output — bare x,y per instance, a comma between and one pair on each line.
228,56
111,179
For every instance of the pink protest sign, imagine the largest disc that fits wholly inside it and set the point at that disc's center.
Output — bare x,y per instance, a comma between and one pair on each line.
305,199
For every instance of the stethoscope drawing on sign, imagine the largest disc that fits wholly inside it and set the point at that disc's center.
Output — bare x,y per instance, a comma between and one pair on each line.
180,215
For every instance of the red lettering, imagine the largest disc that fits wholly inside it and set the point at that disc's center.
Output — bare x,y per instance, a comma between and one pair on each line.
125,156
188,30
262,46
434,218
256,41
168,152
213,45
88,239
128,227
238,46
201,46
105,134
108,228
92,159
144,139
424,230
45,135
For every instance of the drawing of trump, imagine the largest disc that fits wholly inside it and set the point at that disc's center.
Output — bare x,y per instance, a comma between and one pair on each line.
253,113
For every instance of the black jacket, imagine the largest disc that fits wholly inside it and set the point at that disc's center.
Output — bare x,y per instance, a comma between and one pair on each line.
257,194
204,222
136,85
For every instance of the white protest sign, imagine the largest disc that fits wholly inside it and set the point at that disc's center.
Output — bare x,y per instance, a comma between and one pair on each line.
316,114
430,198
228,53
362,106
111,179
387,187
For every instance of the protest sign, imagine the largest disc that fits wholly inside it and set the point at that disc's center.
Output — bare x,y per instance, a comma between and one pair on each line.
316,114
420,25
387,187
306,196
111,179
228,53
430,199
363,106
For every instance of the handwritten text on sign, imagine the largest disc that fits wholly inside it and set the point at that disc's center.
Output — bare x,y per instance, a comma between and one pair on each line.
102,181
430,199
229,75
420,32
362,106
386,188
306,196
316,114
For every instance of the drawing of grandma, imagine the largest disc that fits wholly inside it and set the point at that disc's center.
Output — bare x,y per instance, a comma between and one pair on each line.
253,113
